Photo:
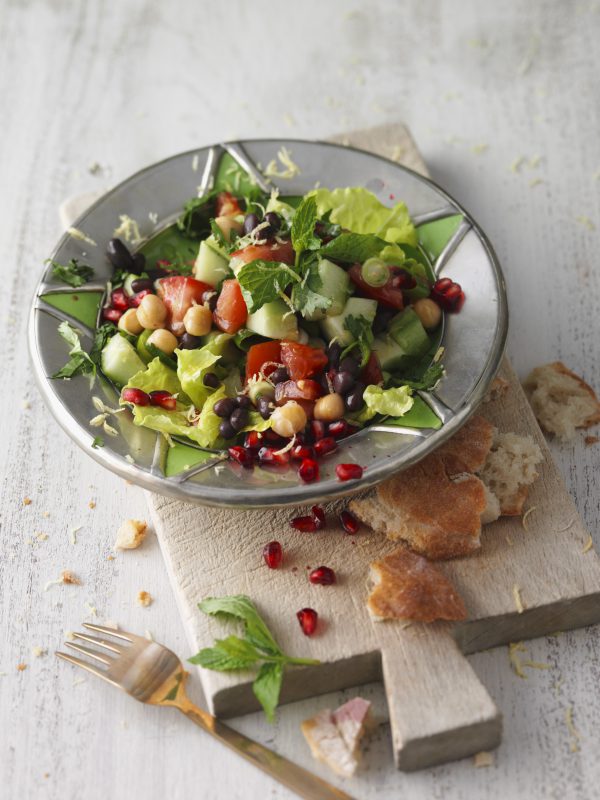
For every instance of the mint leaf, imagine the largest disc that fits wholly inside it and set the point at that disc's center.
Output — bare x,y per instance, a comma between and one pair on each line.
267,687
73,273
79,362
227,654
361,329
353,247
264,281
97,442
242,608
303,226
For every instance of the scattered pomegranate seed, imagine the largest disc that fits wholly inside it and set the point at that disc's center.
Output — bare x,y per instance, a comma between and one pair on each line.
305,524
253,440
338,429
324,576
349,522
308,618
318,429
319,515
163,399
136,396
273,555
326,445
137,298
448,295
269,455
302,451
242,456
308,470
111,315
348,472
119,300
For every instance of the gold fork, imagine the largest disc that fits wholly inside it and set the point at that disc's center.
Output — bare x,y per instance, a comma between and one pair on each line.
151,673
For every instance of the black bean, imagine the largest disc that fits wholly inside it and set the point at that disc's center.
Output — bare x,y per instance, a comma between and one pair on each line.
224,407
343,381
156,273
210,299
243,401
139,263
250,222
141,284
333,354
354,400
279,375
350,365
263,405
273,219
226,429
189,342
119,256
210,379
239,419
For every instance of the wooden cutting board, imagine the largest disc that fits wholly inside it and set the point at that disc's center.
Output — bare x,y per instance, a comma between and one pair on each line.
439,710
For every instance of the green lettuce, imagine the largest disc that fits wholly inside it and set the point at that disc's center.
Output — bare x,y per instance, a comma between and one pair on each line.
157,376
360,211
393,402
192,366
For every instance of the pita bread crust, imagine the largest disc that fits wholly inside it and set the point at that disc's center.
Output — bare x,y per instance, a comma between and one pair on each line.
469,446
407,586
558,366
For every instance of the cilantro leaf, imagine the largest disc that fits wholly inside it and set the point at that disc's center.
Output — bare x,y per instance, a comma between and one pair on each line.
97,442
306,297
428,380
353,247
264,281
267,687
101,336
73,273
79,362
194,221
361,329
227,654
242,608
303,226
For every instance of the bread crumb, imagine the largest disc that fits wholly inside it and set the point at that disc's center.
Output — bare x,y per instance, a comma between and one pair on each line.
518,602
588,545
41,537
144,599
92,504
68,577
110,558
525,515
483,759
70,636
591,440
27,501
38,652
46,514
574,733
131,534
21,667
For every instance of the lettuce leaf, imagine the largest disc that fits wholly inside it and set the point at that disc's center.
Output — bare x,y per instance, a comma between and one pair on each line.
390,402
157,376
361,212
192,366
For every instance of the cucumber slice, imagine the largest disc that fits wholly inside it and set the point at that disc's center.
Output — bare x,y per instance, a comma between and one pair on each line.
129,279
119,360
141,347
391,355
407,330
274,320
211,267
335,284
334,327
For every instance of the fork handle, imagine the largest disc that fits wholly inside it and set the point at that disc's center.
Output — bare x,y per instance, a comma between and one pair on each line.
296,778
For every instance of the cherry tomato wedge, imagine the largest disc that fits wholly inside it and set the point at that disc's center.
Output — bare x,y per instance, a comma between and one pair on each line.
272,251
260,354
304,392
179,293
372,373
387,295
231,311
301,360
226,205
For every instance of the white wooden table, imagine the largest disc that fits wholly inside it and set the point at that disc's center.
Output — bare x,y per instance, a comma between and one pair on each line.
503,101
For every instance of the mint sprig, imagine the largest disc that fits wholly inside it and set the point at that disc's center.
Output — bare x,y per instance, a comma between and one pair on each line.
73,273
257,647
353,247
264,281
303,227
362,332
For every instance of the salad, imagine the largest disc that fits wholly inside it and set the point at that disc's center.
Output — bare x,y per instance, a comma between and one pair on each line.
272,327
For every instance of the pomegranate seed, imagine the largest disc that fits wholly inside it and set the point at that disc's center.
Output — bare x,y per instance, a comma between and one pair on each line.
448,295
137,298
338,429
269,455
308,470
349,522
163,399
119,300
305,524
273,555
308,618
242,456
348,472
274,438
253,440
111,315
352,429
136,396
325,445
324,576
319,516
318,429
302,451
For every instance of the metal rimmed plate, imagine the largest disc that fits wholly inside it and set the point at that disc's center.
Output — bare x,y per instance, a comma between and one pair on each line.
473,340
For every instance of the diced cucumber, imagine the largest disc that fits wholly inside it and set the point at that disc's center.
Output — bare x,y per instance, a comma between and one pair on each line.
210,267
391,355
120,361
261,389
335,285
334,327
274,320
141,347
407,330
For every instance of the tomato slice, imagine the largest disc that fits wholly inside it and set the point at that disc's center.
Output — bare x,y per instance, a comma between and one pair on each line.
301,360
372,373
387,295
179,293
304,392
260,354
226,205
271,251
231,311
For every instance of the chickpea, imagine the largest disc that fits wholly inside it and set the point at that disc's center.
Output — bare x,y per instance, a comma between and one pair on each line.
428,312
198,320
164,340
329,407
288,419
130,323
228,224
151,312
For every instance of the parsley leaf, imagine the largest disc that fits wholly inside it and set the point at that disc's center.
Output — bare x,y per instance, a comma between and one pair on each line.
428,380
267,687
79,362
97,442
101,336
361,329
306,297
73,273
353,247
303,226
264,281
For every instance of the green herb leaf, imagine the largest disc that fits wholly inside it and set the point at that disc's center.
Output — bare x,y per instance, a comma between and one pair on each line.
361,329
264,281
228,654
79,362
303,226
306,297
242,608
353,247
97,442
194,222
101,336
267,687
73,273
430,378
